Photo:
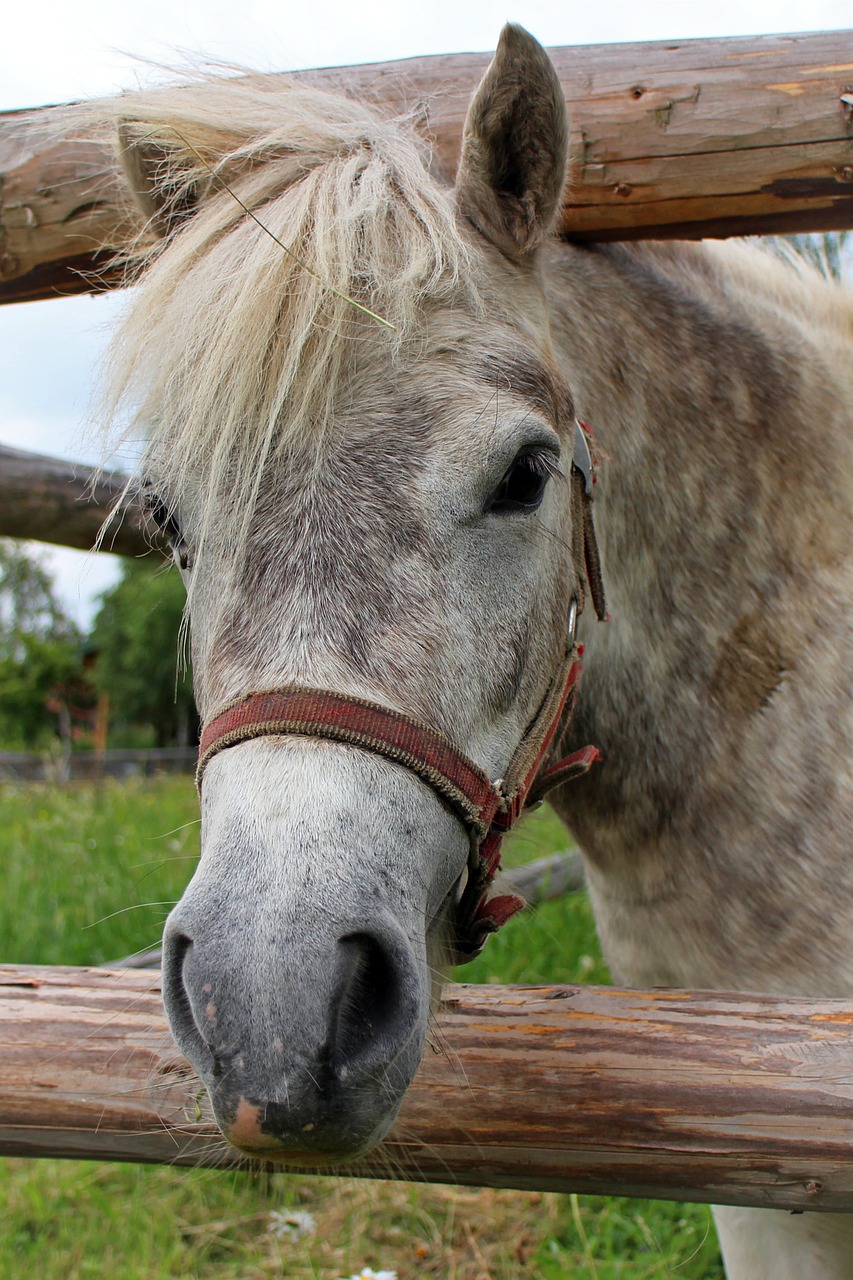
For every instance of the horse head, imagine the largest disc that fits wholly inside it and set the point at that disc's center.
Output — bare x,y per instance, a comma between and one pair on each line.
361,448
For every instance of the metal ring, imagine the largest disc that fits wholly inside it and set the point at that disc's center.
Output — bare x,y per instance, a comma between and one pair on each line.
573,619
582,458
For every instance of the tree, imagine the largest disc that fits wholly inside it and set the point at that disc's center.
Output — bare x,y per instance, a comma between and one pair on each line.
136,637
40,653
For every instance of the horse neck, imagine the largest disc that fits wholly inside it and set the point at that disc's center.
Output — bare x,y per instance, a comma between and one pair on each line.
718,426
716,413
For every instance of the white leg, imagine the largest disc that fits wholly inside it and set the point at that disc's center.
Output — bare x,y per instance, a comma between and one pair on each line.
768,1244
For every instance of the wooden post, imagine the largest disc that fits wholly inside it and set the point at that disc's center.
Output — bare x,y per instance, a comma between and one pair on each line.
731,1099
99,733
682,138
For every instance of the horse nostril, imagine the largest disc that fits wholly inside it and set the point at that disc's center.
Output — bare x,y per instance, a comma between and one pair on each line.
370,1006
177,949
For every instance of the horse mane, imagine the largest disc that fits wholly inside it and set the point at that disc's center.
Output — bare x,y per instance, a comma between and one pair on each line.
237,338
238,343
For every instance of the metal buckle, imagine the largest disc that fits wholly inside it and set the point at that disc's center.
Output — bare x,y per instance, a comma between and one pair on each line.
582,458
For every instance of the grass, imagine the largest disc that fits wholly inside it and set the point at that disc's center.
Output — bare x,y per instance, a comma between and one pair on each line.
89,872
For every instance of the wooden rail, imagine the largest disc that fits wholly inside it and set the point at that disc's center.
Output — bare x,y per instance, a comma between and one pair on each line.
731,1099
51,500
681,138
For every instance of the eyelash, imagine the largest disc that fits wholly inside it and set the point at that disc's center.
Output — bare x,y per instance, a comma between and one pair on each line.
168,526
523,486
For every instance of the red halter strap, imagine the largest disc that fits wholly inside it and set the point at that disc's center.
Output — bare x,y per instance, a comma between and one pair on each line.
488,809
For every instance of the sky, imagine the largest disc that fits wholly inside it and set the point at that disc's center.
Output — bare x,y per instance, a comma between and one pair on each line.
61,50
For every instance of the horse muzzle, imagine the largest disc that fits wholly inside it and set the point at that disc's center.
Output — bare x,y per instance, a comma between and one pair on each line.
295,971
318,1070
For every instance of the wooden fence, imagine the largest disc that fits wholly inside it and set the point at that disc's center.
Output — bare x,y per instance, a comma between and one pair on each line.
674,1094
732,1099
76,766
51,500
677,138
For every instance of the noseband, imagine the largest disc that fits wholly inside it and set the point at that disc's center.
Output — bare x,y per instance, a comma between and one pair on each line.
488,809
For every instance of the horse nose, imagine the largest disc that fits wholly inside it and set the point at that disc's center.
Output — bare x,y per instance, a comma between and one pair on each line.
297,1073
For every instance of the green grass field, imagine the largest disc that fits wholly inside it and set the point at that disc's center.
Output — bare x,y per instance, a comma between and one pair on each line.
88,873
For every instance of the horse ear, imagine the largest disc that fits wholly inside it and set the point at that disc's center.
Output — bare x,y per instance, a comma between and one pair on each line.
163,197
514,147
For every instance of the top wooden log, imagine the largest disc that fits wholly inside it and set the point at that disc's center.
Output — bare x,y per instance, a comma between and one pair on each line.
682,138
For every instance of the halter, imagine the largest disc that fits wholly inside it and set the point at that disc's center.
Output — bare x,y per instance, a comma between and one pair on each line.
488,809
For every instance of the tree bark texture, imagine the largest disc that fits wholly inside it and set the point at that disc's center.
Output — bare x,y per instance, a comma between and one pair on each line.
681,138
683,1095
50,500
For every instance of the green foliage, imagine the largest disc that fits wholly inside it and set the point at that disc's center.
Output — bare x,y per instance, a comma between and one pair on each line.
88,872
40,652
608,1238
136,635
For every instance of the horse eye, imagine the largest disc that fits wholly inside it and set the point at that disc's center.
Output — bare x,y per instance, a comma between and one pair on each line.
523,486
168,526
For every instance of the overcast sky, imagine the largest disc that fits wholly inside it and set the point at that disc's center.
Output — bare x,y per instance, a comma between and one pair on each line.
58,50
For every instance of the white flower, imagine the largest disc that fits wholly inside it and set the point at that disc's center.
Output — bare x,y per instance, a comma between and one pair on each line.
294,1224
367,1273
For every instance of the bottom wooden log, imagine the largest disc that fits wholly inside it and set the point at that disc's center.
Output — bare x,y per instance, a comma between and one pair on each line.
684,1095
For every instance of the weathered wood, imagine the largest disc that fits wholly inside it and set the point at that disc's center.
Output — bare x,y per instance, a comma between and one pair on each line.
677,138
50,500
674,1094
546,878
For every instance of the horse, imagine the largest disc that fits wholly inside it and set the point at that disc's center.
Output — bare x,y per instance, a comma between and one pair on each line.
362,390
